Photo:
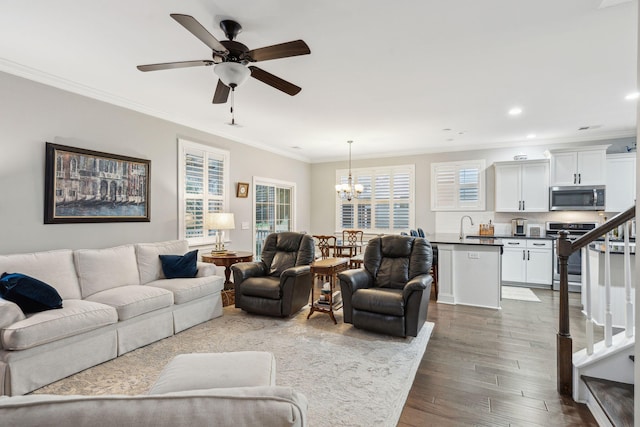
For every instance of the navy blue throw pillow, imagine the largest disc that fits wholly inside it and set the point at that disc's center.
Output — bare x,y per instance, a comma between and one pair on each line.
31,295
180,266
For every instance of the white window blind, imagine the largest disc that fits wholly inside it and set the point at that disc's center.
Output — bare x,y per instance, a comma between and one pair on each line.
202,183
458,186
387,203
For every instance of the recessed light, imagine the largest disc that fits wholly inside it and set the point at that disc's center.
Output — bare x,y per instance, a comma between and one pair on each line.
531,136
515,111
632,96
447,129
296,147
583,127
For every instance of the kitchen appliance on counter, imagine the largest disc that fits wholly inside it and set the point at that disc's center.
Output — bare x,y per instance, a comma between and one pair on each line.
574,263
519,227
577,198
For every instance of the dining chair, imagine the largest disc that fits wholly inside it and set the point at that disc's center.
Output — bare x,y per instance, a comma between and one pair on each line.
352,238
326,245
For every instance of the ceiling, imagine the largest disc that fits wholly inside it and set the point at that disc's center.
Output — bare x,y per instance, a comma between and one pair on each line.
412,76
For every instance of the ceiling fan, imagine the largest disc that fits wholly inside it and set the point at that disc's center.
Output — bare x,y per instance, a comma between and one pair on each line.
231,58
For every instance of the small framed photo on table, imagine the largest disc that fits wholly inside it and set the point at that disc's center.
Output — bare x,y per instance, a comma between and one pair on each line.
242,190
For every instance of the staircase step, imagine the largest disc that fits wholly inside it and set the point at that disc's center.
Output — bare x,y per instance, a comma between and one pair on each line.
615,399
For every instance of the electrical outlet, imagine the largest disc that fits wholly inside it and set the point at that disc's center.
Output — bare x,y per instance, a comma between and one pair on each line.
245,225
473,255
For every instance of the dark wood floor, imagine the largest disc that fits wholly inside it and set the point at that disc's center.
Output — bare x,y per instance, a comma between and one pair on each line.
486,367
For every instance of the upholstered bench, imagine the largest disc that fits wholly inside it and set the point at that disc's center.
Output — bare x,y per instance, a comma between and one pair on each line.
199,389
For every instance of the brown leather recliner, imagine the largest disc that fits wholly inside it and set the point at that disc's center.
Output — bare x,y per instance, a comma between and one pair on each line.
391,293
279,284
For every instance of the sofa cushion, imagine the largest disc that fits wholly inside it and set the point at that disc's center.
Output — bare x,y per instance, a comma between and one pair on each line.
31,295
102,269
198,371
185,290
221,407
148,261
74,318
180,266
134,300
53,267
380,300
10,313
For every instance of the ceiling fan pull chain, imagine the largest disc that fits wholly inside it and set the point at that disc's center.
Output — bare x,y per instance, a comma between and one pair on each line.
233,118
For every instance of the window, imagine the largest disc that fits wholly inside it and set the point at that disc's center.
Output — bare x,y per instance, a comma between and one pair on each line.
387,203
274,202
203,178
458,186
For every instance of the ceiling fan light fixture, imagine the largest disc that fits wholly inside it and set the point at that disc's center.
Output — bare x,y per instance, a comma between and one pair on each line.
232,74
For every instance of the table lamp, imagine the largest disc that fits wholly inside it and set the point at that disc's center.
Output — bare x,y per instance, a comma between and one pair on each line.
220,221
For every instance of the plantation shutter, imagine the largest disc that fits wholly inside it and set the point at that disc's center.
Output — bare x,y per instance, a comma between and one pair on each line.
387,203
203,179
457,186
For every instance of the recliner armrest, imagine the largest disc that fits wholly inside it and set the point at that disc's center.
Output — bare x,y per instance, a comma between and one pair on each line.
295,271
355,279
418,283
244,270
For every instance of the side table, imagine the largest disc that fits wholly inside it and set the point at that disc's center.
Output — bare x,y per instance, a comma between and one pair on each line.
328,267
226,260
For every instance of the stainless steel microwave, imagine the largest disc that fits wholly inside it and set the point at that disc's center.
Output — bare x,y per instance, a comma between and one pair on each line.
577,198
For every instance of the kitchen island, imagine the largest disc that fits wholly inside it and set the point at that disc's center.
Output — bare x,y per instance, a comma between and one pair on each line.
469,270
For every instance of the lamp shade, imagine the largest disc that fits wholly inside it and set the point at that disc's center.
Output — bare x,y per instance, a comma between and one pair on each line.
232,74
220,221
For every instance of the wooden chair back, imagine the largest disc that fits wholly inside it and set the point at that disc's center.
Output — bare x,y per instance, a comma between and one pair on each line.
353,238
326,246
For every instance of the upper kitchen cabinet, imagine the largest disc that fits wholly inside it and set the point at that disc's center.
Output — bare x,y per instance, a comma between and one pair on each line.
522,186
579,166
621,182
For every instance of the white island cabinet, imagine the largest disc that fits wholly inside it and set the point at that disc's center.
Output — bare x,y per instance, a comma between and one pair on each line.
469,270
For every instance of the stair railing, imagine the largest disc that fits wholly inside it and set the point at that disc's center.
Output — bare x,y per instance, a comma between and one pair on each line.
564,248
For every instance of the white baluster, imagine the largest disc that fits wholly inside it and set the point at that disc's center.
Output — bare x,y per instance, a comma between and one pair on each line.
589,321
627,280
608,318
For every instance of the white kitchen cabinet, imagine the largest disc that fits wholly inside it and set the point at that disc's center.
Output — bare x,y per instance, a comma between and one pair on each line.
528,261
522,186
579,166
621,182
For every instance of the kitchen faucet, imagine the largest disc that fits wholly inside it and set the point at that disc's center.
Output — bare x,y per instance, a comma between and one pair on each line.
461,229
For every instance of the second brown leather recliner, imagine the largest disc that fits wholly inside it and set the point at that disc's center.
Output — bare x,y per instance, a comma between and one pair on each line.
391,293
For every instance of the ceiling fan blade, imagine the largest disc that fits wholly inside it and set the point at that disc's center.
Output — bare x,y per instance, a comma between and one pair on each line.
222,93
282,50
171,65
195,28
273,81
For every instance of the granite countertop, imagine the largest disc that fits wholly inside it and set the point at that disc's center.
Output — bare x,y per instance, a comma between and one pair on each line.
614,248
509,236
452,238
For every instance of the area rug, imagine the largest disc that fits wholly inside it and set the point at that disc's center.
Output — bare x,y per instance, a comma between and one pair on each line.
517,293
351,377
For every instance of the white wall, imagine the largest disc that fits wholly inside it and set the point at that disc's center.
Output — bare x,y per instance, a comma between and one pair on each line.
323,180
32,114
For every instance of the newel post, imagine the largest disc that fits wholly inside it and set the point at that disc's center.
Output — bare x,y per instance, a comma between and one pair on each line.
564,342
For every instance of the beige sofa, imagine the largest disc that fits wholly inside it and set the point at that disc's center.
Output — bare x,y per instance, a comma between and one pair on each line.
114,301
201,389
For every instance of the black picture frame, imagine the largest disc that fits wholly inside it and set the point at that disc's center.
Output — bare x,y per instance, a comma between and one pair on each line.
86,186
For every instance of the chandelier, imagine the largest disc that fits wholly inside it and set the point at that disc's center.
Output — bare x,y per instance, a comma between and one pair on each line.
349,190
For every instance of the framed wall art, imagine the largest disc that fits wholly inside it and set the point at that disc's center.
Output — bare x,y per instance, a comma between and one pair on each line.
90,186
242,190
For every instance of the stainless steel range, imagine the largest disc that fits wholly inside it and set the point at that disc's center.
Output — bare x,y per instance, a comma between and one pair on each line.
574,263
